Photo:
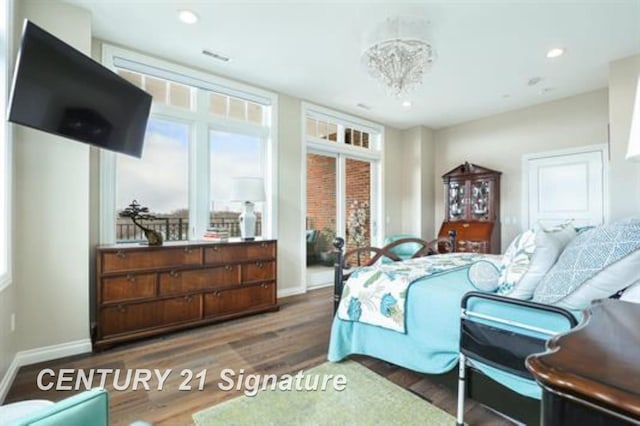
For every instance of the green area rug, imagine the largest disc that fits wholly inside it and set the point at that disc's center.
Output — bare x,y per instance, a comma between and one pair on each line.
367,399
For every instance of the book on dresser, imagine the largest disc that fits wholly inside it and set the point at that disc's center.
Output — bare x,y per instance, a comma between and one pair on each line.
143,291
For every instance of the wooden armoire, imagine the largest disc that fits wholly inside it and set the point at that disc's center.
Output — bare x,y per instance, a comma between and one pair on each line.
472,208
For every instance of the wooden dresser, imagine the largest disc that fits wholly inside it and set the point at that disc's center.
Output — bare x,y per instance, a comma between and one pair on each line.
144,291
591,375
472,208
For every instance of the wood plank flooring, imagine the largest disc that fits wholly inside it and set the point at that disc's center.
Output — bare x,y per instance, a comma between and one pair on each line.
295,338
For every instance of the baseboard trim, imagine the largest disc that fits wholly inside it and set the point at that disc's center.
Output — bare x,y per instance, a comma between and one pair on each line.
8,378
322,285
286,292
34,356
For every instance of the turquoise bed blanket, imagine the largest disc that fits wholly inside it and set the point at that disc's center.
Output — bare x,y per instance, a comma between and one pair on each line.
431,342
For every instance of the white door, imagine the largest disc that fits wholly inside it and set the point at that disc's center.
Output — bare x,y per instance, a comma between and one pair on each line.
569,186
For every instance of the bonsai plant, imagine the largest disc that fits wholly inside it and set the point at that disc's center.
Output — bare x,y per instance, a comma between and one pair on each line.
136,213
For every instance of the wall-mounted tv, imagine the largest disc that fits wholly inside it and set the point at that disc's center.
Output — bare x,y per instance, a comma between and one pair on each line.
59,90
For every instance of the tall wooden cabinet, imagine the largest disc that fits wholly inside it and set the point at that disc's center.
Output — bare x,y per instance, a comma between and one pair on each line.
143,290
472,208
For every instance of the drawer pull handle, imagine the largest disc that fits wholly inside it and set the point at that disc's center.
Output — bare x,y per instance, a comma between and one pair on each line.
188,250
215,248
263,285
189,298
216,294
174,274
259,265
228,267
121,254
263,245
131,278
121,309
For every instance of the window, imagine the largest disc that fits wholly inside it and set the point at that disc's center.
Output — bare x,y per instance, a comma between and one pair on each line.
232,155
343,181
203,131
5,149
158,181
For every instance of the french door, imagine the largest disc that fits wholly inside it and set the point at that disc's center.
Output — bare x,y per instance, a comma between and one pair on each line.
342,200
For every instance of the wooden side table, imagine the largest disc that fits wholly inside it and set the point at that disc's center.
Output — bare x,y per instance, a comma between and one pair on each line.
591,375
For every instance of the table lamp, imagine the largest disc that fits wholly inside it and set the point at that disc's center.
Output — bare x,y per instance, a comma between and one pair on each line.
247,190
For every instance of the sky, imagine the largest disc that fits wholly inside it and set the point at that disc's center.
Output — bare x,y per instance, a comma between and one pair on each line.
159,180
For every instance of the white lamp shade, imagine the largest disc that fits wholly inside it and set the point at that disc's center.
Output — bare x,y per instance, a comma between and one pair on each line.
247,189
633,151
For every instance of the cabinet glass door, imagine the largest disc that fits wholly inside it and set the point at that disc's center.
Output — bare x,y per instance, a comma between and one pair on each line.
456,200
479,199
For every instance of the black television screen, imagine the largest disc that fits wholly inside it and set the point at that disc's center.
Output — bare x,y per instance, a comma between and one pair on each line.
59,90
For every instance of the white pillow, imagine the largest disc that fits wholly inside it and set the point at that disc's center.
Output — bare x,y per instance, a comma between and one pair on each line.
515,262
549,244
632,294
611,279
484,275
595,265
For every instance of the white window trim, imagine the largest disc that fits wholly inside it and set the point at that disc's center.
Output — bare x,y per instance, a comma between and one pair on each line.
198,152
339,151
6,135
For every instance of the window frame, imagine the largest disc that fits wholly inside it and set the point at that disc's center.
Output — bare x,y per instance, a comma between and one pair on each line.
342,151
198,156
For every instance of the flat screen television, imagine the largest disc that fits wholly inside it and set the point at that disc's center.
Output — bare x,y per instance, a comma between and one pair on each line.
59,90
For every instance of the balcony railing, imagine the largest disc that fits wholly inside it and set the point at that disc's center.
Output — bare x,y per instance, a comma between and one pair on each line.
176,229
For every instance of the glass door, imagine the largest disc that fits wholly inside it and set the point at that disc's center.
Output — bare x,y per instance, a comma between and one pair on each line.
321,217
359,223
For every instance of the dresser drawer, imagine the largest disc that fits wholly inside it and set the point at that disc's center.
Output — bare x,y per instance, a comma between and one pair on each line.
259,271
123,318
261,250
223,253
236,300
131,260
184,281
130,286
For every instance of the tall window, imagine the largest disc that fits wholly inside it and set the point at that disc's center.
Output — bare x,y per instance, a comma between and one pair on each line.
203,132
343,186
233,155
159,181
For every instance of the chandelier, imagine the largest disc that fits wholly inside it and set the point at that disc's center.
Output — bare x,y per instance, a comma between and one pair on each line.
400,57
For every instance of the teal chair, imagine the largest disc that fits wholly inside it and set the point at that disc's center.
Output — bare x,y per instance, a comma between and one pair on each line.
403,251
89,408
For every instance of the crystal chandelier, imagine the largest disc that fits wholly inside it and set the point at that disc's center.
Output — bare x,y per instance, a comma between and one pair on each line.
400,58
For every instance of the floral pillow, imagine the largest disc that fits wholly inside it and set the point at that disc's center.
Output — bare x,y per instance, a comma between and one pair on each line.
515,261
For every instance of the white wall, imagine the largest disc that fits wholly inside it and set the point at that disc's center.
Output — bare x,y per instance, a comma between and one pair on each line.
499,142
413,167
291,249
51,211
624,176
394,186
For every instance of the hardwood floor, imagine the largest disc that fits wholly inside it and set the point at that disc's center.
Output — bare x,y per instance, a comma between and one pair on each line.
293,339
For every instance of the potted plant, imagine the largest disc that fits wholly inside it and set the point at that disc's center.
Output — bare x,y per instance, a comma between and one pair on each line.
327,257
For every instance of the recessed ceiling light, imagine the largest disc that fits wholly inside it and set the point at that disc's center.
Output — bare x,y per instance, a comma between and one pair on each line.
363,106
187,16
555,52
407,104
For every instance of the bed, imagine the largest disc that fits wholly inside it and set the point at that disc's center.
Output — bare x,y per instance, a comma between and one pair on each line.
448,321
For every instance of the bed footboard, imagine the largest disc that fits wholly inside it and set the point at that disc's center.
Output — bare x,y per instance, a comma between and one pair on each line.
366,256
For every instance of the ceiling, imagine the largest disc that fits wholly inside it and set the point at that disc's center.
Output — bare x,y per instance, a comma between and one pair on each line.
487,51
